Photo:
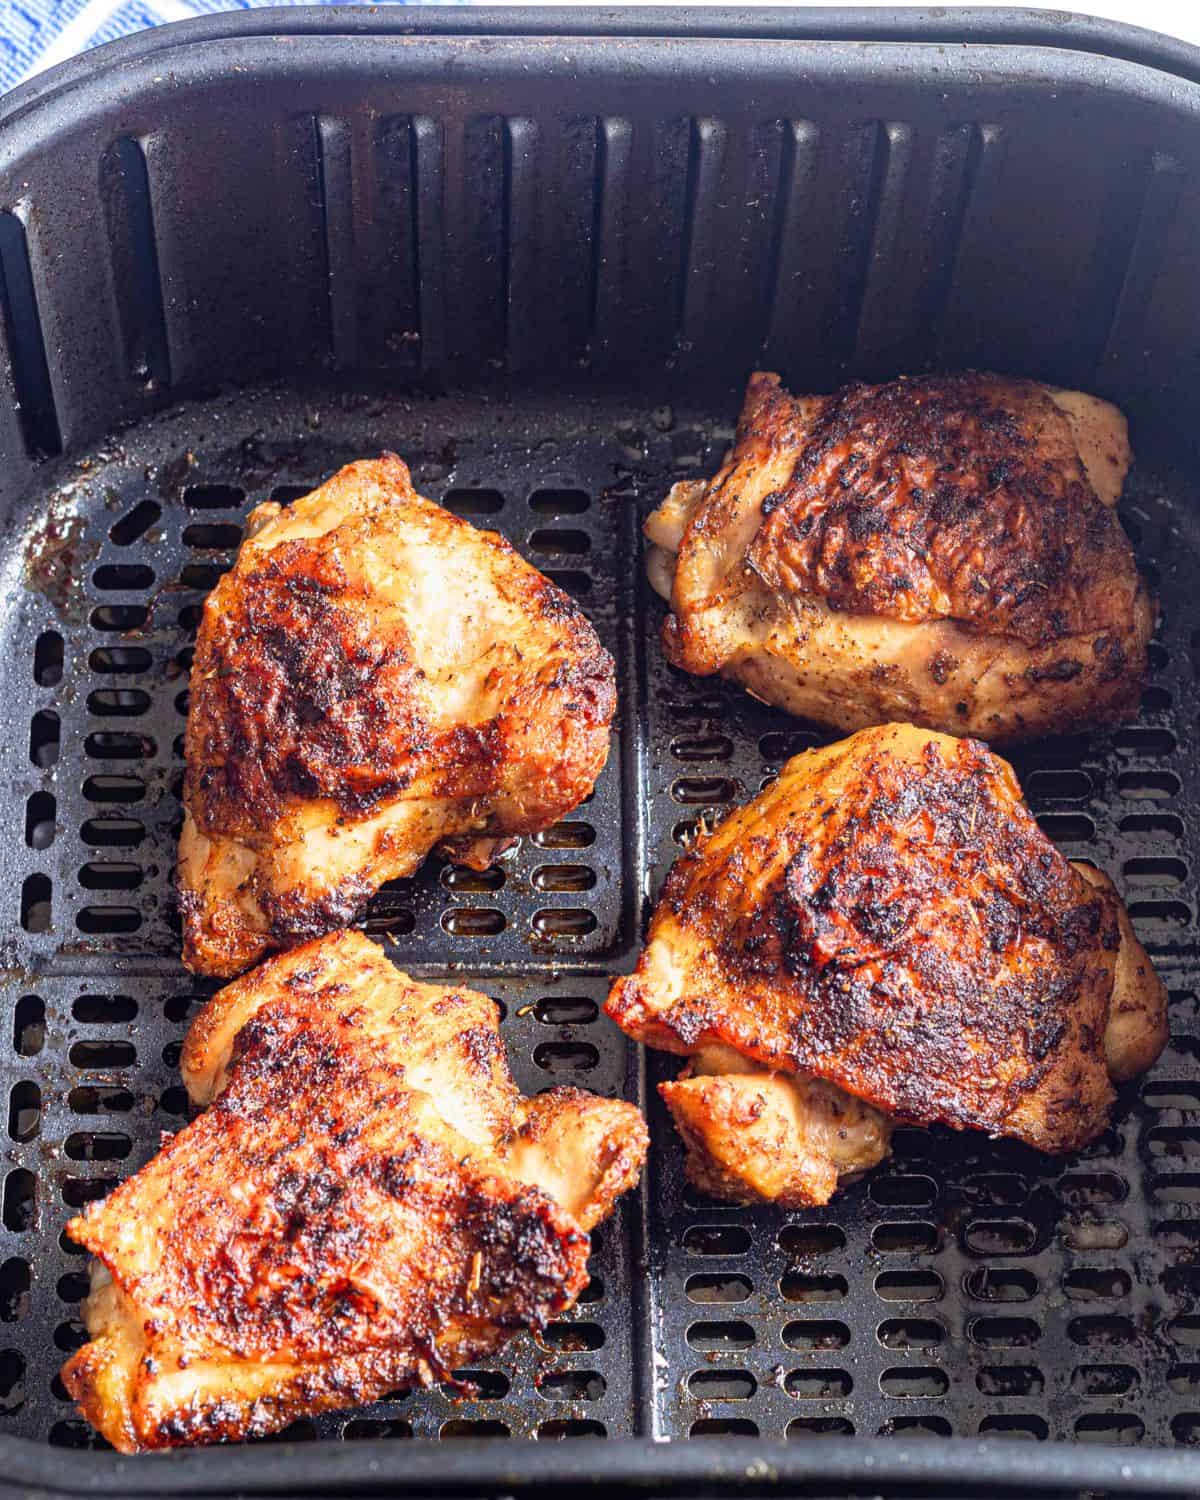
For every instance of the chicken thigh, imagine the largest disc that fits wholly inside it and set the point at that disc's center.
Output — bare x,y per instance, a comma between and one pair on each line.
943,550
885,934
366,1203
374,678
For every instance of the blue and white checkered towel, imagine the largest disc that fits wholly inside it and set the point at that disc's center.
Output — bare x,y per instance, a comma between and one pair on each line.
35,34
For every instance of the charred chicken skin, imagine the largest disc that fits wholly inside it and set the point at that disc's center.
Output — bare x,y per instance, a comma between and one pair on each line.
885,934
373,679
943,550
366,1203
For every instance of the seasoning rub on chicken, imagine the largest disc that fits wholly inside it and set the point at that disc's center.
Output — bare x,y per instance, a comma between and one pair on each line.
944,550
885,934
366,1203
373,679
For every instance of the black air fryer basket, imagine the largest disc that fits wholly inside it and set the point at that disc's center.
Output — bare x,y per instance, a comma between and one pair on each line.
537,253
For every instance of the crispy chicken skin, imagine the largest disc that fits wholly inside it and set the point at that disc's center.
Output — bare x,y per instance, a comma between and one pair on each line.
366,1203
884,934
374,678
943,550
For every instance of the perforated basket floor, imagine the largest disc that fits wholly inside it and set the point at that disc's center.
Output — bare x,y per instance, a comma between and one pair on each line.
966,1288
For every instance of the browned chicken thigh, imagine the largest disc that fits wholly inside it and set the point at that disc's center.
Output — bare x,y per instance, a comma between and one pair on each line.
944,550
885,934
366,1203
373,679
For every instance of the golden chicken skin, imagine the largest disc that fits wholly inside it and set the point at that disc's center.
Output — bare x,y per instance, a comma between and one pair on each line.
943,550
885,934
366,1203
373,679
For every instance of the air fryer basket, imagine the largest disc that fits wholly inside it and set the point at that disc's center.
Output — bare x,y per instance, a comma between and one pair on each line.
237,253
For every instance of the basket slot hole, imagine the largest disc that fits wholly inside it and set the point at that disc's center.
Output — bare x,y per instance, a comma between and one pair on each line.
566,1057
112,832
1101,1332
559,502
45,738
122,703
119,577
571,879
1176,1187
29,1026
385,917
702,747
780,745
1122,1429
474,921
48,659
1149,786
135,523
24,1111
1004,1333
16,1278
202,576
1067,828
716,1239
474,502
717,1288
1090,1285
1105,1380
818,1385
98,1100
914,1382
910,1333
571,580
722,1385
1010,1380
573,1338
103,1054
712,1338
217,497
114,744
473,1427
124,617
995,1189
1185,1331
903,1192
560,543
989,1284
40,813
490,1385
905,1239
797,1286
1058,785
91,1145
816,1333
1179,1094
374,1427
110,875
77,1435
473,882
571,1427
1007,1425
1174,1140
703,791
116,788
797,1240
20,1201
213,536
802,1428
120,660
909,1286
36,910
987,1237
572,1012
1142,739
572,1385
111,920
100,1009
1091,1189
566,836
78,1192
716,1427
563,922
